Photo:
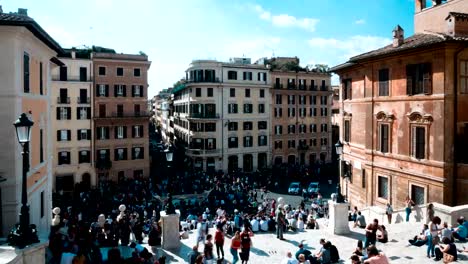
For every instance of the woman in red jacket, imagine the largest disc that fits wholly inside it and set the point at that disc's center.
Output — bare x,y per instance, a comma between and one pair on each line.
235,245
219,242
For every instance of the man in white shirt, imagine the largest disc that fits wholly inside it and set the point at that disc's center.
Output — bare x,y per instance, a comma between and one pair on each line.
219,212
289,259
201,232
255,225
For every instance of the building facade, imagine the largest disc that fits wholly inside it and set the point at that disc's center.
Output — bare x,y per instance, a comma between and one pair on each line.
405,124
222,113
71,121
28,57
300,117
120,115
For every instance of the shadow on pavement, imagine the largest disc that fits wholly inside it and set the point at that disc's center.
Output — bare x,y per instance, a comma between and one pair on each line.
259,252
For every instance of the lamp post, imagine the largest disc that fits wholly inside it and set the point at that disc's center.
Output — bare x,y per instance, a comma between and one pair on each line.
23,234
169,205
339,151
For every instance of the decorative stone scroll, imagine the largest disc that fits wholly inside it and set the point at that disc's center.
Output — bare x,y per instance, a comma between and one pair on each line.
417,117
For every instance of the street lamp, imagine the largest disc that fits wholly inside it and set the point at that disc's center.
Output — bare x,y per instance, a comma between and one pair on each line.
339,148
339,151
23,234
169,205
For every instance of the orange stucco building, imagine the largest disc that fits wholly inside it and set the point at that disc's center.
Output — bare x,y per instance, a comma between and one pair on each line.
404,113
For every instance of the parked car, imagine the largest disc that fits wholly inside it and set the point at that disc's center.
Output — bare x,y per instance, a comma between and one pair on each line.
294,188
313,188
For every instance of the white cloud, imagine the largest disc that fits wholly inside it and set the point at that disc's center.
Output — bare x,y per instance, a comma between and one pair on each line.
285,20
253,48
351,46
360,22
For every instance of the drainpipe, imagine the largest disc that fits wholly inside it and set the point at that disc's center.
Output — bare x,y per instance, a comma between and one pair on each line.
455,118
372,142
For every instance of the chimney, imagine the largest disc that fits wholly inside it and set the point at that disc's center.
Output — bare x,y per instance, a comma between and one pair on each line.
1,9
398,36
419,5
73,53
22,11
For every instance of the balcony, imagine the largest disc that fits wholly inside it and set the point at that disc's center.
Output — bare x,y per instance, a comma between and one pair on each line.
291,86
203,116
140,114
203,152
75,78
278,86
63,100
83,100
324,88
314,87
103,164
302,87
203,80
302,147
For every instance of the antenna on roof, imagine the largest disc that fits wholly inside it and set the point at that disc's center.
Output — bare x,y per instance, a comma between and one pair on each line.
273,55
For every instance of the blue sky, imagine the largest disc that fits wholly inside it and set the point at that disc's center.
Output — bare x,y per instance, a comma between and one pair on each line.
173,32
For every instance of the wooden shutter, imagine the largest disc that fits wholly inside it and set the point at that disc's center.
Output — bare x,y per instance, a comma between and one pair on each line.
68,134
88,112
141,90
142,133
124,132
98,133
97,90
124,90
106,131
133,131
69,113
427,80
78,134
116,154
78,113
107,90
58,112
409,79
58,135
116,132
88,134
116,87
133,90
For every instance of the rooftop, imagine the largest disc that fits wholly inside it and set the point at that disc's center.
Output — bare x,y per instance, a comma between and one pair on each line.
22,19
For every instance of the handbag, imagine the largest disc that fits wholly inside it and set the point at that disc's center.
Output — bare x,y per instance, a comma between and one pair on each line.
448,258
435,240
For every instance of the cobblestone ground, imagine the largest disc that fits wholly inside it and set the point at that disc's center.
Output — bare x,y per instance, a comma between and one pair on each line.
268,249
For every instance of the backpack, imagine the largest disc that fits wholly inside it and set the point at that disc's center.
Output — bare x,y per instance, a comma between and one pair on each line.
334,256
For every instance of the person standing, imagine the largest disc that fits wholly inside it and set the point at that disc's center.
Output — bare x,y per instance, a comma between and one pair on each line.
429,213
371,233
208,250
280,223
201,232
409,203
193,255
235,245
246,243
389,212
219,242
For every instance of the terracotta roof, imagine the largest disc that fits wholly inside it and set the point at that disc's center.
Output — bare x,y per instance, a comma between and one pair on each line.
456,14
15,19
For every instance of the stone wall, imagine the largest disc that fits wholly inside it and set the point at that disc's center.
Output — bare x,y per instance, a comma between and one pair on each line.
34,254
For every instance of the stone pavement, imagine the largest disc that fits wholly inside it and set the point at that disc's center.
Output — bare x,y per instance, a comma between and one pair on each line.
268,249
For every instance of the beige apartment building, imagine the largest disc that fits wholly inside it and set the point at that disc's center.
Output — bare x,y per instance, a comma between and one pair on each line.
300,114
222,113
120,115
71,120
28,55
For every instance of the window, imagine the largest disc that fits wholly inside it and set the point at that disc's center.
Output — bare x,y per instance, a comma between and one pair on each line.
63,135
26,72
278,112
384,132
102,70
382,187
102,133
291,144
291,112
262,125
347,89
248,142
136,72
137,131
279,99
42,204
210,92
418,79
210,127
313,142
120,132
262,141
313,100
323,141
261,108
232,75
63,113
232,126
84,156
137,91
418,194
313,128
120,71
323,111
261,76
262,93
210,143
302,129
247,76
120,110
291,129
232,108
383,82
291,99
247,125
41,145
278,144
63,73
363,178
103,154
83,74
323,100
137,153
323,127
83,113
461,145
419,142
347,126
232,142
197,92
83,134
120,154
248,108
120,90
41,79
247,92
232,92
464,76
102,90
278,130
63,157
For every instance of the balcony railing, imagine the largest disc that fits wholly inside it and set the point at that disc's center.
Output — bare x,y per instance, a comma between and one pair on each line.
83,100
324,88
125,115
75,78
204,116
278,86
204,80
314,87
302,87
63,100
201,152
291,86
